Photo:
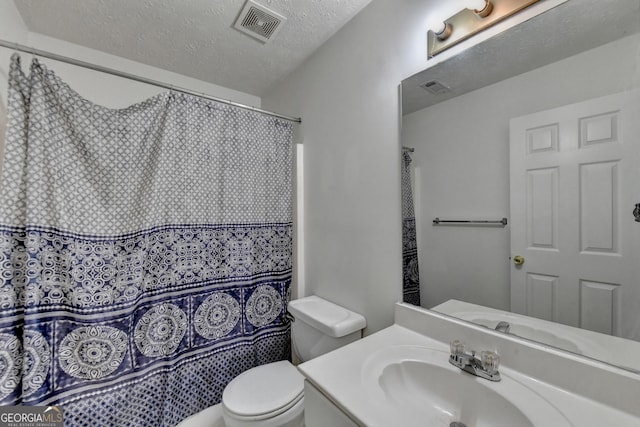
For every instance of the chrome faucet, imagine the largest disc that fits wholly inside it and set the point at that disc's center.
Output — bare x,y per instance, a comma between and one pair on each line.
503,327
486,367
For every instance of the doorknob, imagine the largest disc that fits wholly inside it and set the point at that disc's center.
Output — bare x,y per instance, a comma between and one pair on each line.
518,260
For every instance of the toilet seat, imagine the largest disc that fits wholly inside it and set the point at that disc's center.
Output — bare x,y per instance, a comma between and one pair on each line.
263,392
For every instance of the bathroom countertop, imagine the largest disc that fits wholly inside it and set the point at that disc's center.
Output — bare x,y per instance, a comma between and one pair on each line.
341,376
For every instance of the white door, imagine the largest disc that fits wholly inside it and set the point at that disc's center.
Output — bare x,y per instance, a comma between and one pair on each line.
574,182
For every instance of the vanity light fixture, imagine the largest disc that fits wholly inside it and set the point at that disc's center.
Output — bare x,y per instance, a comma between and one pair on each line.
469,22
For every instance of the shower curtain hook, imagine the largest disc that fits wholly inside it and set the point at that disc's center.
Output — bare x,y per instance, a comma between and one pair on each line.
16,55
16,49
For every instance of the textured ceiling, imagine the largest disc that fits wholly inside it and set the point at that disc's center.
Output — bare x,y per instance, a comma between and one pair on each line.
195,37
568,29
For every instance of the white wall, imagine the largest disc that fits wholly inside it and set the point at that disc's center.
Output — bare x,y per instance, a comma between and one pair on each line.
462,155
101,88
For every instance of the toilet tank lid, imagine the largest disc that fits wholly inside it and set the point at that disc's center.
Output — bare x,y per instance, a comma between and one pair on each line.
329,318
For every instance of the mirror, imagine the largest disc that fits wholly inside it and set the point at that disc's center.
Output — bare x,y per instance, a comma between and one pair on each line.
561,87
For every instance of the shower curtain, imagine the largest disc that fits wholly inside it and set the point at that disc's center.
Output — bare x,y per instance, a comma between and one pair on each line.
410,277
145,253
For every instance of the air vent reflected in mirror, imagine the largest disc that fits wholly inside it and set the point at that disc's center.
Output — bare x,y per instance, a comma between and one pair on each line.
435,87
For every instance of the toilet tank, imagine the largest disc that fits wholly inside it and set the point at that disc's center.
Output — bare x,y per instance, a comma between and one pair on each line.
321,326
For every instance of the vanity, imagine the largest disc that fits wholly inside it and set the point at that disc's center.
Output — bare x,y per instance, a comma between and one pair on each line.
401,376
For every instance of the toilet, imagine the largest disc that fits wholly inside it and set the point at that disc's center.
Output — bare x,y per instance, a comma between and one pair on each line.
271,395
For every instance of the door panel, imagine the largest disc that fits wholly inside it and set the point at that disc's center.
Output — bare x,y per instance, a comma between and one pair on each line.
541,296
542,208
599,305
599,189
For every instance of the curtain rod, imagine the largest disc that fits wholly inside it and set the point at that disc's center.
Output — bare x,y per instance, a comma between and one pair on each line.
72,61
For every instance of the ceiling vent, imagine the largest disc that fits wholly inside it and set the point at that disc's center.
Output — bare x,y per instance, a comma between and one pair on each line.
259,22
435,87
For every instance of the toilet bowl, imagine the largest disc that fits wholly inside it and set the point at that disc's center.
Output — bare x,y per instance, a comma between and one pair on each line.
272,395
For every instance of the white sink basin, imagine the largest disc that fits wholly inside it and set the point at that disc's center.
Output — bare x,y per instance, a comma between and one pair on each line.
422,386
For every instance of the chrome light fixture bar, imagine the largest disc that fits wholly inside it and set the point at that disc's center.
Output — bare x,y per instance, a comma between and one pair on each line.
468,22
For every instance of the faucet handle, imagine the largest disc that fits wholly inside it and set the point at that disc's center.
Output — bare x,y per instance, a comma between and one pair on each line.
490,361
457,347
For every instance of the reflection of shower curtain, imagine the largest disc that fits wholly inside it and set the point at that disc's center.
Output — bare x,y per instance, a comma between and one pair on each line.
410,279
145,253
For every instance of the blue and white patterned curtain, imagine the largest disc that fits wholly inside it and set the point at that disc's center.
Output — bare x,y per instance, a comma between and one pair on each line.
145,253
410,276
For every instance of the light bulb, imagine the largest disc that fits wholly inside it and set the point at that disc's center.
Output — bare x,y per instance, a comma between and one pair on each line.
483,9
475,4
440,12
445,32
438,28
